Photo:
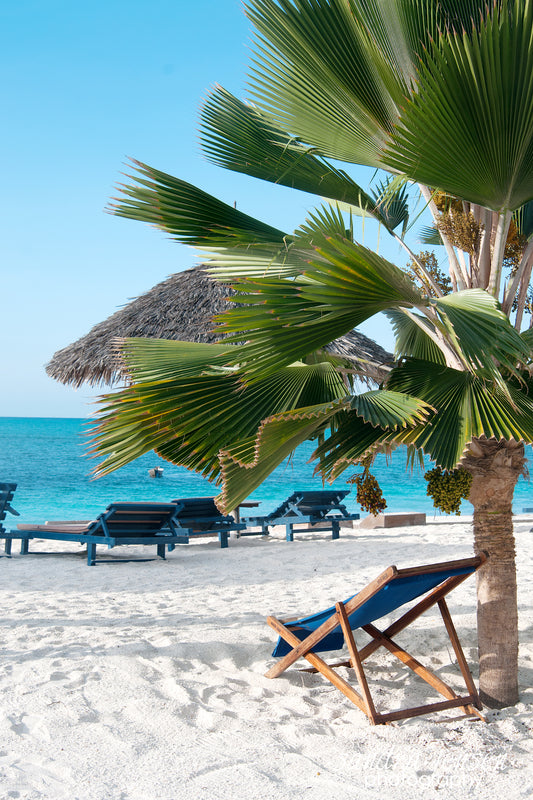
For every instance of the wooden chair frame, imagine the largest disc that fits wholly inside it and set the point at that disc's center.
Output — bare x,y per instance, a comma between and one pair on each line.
470,703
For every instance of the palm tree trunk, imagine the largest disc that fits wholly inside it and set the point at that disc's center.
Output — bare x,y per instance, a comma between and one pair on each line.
495,468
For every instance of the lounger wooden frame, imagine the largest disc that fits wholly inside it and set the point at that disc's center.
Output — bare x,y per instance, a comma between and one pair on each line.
203,519
469,703
310,508
139,523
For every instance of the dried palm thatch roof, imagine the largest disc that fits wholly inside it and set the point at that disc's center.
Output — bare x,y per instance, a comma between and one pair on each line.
182,308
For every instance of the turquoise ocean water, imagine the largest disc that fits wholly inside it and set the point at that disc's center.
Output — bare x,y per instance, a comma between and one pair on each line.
46,458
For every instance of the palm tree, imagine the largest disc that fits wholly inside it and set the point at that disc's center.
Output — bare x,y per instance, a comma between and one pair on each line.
436,96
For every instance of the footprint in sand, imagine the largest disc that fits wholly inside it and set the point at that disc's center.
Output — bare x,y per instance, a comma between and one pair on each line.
30,725
58,676
39,778
74,679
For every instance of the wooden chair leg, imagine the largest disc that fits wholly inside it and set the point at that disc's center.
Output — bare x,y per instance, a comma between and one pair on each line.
321,666
7,547
355,662
335,526
467,704
299,648
289,533
161,551
460,656
302,642
24,546
420,608
453,699
223,538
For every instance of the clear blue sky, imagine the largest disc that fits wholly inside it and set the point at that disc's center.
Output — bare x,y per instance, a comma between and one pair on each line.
84,87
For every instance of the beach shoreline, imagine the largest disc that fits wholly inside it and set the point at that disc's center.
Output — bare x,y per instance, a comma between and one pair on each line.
144,680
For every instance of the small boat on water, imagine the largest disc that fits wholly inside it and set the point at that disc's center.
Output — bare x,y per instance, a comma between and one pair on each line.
156,472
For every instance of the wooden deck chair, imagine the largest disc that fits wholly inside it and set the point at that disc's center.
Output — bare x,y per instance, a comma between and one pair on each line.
319,507
119,524
332,629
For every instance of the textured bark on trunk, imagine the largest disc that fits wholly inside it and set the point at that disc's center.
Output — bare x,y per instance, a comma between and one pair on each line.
495,468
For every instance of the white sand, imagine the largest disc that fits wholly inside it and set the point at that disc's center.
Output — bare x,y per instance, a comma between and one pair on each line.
145,681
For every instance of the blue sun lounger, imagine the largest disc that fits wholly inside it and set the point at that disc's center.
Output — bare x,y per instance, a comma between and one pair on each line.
119,524
201,516
7,492
309,508
333,629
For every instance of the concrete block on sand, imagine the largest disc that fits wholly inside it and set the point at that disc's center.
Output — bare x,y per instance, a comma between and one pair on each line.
393,520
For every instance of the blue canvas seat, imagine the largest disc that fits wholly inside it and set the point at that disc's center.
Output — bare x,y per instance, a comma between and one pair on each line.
333,628
119,524
310,508
201,516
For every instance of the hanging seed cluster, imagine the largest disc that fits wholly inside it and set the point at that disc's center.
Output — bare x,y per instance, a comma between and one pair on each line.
448,487
431,265
369,494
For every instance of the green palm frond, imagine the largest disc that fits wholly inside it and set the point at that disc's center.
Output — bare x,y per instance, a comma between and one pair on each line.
393,202
322,223
390,410
318,75
375,419
467,406
481,331
468,128
413,336
527,338
246,465
402,30
240,137
234,243
430,235
258,261
523,218
188,408
458,15
336,73
284,320
406,29
187,213
167,360
350,442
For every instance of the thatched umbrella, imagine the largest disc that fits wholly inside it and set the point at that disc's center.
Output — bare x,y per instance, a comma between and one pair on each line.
182,307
